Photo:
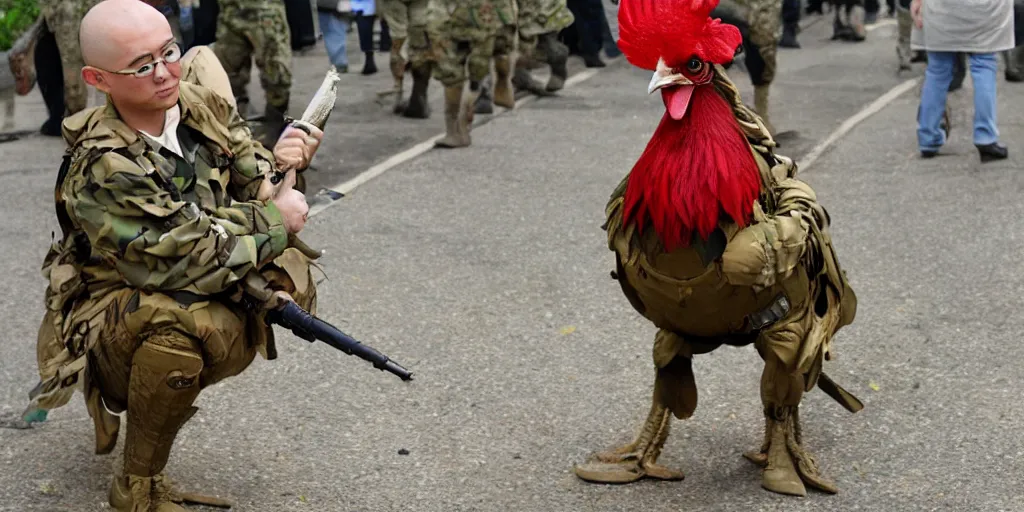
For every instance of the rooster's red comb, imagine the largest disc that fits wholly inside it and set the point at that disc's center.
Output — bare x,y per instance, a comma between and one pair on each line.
674,30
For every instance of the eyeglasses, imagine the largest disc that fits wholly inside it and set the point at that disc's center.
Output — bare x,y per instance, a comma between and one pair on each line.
171,55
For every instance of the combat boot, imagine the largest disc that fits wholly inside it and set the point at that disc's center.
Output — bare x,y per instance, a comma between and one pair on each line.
789,31
905,24
1014,62
398,72
856,16
761,106
557,55
458,115
503,94
485,102
419,106
522,80
273,125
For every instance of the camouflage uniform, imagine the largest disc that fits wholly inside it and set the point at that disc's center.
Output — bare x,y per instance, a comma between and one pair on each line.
540,21
143,303
760,22
408,20
256,28
63,17
471,33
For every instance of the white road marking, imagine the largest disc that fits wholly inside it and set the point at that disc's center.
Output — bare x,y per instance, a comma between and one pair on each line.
395,160
805,163
880,24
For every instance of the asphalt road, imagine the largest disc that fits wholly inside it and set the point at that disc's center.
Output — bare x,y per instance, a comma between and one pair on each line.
485,271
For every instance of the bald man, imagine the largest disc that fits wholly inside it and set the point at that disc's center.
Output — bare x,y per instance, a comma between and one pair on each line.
172,229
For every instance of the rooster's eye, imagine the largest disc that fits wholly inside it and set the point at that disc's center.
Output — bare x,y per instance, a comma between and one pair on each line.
694,65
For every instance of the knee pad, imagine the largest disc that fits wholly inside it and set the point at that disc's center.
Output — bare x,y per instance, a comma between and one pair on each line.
164,382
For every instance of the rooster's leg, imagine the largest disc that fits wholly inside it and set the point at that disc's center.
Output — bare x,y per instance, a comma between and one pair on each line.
787,465
635,460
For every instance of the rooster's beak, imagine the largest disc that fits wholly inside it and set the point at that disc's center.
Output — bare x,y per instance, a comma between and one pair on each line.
664,77
675,90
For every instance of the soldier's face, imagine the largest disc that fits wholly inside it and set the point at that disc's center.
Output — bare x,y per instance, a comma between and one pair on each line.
144,80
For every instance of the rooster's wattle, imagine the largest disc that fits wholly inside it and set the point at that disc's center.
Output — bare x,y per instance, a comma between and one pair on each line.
717,243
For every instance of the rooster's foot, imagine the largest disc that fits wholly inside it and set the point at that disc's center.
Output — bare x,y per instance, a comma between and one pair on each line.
787,465
636,460
624,468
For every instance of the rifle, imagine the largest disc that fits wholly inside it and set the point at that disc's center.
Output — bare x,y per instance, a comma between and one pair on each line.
310,328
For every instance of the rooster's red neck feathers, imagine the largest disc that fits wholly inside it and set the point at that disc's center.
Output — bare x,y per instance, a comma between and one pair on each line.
698,166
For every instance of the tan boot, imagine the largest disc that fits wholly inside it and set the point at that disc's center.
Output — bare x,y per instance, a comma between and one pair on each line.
398,72
503,94
457,131
905,25
761,105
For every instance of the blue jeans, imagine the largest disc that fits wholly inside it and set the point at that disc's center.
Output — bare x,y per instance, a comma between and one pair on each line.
335,32
937,78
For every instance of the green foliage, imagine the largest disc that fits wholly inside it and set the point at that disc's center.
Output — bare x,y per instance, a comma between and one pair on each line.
15,17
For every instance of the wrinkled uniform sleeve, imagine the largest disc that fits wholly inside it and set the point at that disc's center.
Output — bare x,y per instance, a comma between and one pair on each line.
252,162
160,244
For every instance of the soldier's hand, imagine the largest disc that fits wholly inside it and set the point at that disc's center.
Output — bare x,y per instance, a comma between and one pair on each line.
293,207
279,299
295,149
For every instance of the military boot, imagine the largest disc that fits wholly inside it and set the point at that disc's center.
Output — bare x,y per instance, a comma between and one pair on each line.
273,125
761,106
398,72
522,80
1014,64
905,24
419,106
485,101
457,129
557,55
789,31
858,32
503,94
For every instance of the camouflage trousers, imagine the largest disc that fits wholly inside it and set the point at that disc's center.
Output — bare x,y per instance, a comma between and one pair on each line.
760,23
151,354
261,33
407,20
63,19
470,57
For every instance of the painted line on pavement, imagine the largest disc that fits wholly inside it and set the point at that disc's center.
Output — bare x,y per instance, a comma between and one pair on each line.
880,24
393,161
873,108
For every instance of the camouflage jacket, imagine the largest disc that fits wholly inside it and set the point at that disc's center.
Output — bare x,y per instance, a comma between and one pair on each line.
136,215
542,16
471,19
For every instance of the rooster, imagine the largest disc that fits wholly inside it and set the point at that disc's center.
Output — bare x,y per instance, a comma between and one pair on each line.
717,243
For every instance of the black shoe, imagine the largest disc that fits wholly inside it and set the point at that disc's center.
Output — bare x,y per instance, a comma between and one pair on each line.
593,61
789,36
1014,76
370,67
994,151
929,154
919,56
51,128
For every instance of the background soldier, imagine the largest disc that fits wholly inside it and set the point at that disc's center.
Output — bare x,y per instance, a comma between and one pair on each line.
63,18
540,22
470,35
759,22
407,21
849,20
257,28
